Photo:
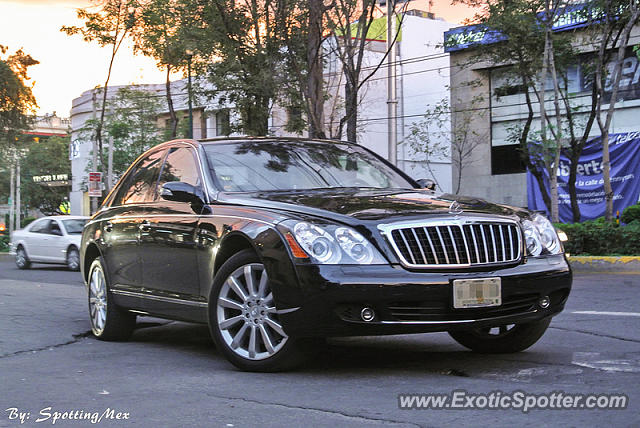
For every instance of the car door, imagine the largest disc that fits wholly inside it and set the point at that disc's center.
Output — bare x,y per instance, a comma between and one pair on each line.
168,235
36,238
56,244
121,228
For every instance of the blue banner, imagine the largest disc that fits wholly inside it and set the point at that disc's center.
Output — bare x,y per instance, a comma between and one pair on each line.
624,152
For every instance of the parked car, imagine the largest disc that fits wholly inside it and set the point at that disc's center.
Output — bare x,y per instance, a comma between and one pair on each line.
54,239
273,242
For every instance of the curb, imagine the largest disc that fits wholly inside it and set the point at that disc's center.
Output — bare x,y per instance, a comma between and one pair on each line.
622,264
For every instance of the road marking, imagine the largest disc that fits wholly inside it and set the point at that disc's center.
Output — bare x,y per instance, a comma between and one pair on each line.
618,314
629,363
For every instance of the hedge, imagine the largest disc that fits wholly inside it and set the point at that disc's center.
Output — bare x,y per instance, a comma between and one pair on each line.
600,238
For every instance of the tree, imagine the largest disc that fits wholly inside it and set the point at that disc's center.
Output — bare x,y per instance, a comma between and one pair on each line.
131,123
350,23
109,26
613,26
17,103
47,156
160,34
435,137
528,45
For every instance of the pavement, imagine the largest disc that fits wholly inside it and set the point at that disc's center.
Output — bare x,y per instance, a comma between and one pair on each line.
170,374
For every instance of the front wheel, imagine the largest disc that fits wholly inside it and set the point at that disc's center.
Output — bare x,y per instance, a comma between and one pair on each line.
22,261
108,321
243,319
504,339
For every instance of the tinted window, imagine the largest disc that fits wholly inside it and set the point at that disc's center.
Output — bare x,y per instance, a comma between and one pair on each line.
40,226
180,166
507,160
139,185
255,166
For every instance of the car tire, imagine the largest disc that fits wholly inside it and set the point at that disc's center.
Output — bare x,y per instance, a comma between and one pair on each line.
108,321
507,339
73,259
243,321
22,260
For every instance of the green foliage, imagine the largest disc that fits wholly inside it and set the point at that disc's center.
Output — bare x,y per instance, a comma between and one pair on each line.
48,156
17,102
601,238
630,214
131,123
4,243
27,221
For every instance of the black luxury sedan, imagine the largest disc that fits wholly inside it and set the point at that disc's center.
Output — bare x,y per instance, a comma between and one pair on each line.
277,242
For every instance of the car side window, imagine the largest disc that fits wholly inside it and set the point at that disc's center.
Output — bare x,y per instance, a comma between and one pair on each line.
54,228
41,226
140,184
181,166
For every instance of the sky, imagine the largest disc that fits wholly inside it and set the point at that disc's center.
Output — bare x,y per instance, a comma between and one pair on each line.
69,66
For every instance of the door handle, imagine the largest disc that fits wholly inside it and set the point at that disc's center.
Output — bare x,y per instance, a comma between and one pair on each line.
145,226
108,227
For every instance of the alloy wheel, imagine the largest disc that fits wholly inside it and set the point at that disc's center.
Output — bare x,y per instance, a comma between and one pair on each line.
97,300
246,314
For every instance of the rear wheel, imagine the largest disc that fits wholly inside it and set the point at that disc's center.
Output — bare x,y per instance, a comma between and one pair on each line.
108,321
243,319
22,261
504,339
73,259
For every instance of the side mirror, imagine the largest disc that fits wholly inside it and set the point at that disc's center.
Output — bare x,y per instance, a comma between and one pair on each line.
181,192
427,183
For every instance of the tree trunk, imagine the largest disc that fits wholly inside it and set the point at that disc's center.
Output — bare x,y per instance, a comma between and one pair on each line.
315,82
172,113
605,125
351,109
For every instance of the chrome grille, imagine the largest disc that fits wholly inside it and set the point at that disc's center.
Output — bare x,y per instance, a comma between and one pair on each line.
455,243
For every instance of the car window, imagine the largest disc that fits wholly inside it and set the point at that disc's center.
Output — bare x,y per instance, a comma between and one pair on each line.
74,225
54,228
181,166
40,226
139,185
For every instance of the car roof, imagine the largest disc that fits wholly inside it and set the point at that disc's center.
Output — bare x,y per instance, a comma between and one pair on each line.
219,140
64,217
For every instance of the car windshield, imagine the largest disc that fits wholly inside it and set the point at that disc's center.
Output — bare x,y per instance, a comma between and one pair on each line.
266,166
74,225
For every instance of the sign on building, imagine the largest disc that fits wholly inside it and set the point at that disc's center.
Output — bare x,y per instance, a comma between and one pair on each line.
95,184
624,150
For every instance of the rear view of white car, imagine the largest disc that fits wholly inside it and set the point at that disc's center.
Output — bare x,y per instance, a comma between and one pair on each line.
53,239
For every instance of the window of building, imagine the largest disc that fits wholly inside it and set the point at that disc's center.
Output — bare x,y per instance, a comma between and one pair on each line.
223,124
507,160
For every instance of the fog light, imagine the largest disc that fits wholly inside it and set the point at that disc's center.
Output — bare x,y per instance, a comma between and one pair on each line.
367,314
544,302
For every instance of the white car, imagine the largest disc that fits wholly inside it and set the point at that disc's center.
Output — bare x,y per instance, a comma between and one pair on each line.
54,239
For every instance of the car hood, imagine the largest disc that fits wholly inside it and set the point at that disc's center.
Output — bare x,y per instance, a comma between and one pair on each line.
370,204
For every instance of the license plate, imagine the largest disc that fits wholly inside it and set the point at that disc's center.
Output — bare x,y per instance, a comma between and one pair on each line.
476,293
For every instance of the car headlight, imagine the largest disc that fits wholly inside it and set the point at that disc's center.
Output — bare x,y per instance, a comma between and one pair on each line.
548,234
332,244
540,235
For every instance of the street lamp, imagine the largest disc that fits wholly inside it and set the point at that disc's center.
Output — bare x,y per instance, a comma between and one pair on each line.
189,53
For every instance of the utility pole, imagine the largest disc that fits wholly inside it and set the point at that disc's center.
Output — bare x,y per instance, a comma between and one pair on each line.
12,195
94,158
392,100
18,200
189,56
110,165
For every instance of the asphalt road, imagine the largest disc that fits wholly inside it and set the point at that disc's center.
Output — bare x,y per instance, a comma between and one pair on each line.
170,374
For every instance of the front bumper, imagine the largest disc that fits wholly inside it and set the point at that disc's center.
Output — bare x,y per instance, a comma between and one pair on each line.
332,297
